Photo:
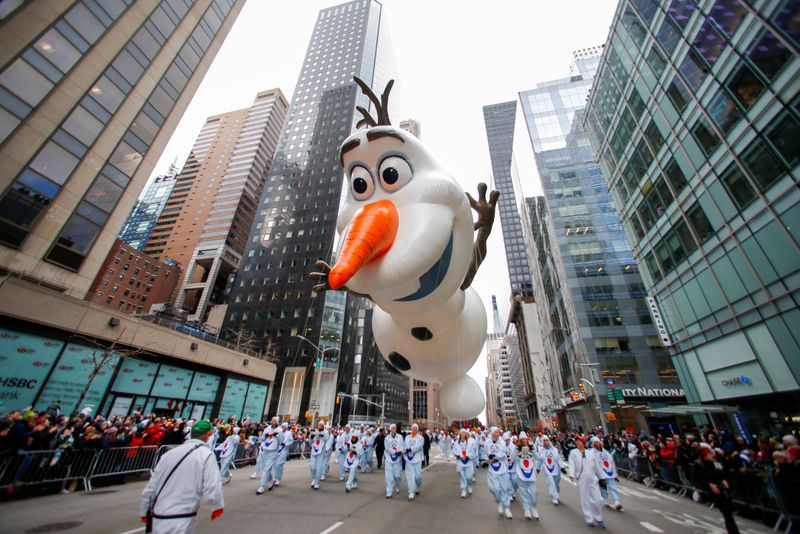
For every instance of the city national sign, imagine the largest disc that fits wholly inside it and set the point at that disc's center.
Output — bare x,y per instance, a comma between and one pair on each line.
653,392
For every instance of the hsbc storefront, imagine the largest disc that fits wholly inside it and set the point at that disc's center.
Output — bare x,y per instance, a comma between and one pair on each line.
40,370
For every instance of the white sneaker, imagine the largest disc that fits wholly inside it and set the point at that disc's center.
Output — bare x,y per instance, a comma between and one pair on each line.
322,477
508,513
271,485
555,502
463,494
397,490
469,489
527,515
410,496
347,488
316,486
500,509
254,475
277,482
260,490
535,513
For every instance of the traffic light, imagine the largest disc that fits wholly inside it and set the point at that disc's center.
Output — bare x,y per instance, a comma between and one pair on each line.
583,388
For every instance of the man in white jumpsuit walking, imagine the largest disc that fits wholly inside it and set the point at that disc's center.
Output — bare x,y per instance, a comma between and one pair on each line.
393,448
414,443
497,473
319,440
183,477
608,473
465,449
550,460
584,471
227,453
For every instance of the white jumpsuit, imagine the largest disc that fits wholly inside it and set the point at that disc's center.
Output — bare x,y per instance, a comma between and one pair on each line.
583,467
197,478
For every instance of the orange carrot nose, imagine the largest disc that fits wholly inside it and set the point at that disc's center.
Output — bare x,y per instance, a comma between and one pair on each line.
369,235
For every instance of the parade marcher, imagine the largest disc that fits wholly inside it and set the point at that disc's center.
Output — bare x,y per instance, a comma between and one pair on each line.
329,444
584,471
285,440
414,444
608,473
379,447
393,445
550,459
478,437
709,478
511,460
465,449
269,448
525,472
189,473
259,440
342,448
319,440
227,454
352,459
497,473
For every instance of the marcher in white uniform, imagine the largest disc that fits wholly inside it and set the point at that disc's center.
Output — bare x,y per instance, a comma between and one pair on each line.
318,440
285,441
465,449
497,473
414,444
550,459
174,497
511,461
352,460
342,448
608,473
583,470
227,454
393,447
329,444
269,448
525,473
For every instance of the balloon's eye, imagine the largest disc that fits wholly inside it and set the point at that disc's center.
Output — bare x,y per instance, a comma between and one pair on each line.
395,172
361,183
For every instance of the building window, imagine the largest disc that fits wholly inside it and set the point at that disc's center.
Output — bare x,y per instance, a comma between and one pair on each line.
700,223
764,167
739,188
705,136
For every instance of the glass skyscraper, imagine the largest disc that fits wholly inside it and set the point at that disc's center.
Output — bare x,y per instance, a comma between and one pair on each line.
695,115
296,218
500,120
143,218
608,334
89,95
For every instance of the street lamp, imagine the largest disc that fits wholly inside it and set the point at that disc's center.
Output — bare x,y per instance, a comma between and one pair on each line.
591,367
321,360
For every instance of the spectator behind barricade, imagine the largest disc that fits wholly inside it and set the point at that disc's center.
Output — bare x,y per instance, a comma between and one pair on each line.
787,478
791,448
667,456
710,479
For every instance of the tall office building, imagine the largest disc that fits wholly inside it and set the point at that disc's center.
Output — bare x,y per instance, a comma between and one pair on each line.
91,92
296,220
373,390
504,367
500,123
142,219
412,126
608,332
695,115
210,211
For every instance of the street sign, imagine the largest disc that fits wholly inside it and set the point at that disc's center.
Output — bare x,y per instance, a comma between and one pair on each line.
618,395
611,383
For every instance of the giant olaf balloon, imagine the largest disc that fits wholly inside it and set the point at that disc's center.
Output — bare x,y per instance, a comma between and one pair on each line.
407,244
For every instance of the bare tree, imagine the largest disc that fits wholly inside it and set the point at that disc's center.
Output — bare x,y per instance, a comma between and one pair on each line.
103,359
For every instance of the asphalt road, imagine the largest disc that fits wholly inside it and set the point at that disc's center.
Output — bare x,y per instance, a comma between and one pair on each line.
295,508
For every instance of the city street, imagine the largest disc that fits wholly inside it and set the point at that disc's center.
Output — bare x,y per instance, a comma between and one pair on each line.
293,508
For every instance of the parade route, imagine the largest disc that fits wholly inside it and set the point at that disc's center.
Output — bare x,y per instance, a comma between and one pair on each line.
295,508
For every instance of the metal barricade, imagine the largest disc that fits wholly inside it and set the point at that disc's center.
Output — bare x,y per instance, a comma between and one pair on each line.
43,467
123,461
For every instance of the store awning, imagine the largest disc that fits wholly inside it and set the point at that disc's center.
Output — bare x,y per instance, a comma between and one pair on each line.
692,409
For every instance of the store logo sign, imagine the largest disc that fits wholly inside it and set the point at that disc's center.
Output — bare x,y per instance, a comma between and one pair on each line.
658,322
737,381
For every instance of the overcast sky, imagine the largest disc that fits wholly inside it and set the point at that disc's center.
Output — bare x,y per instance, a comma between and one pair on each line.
453,57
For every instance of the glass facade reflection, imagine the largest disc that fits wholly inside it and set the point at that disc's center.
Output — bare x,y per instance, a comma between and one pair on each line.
695,114
601,328
143,218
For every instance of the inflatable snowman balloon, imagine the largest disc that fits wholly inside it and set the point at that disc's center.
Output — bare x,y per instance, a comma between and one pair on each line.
407,244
